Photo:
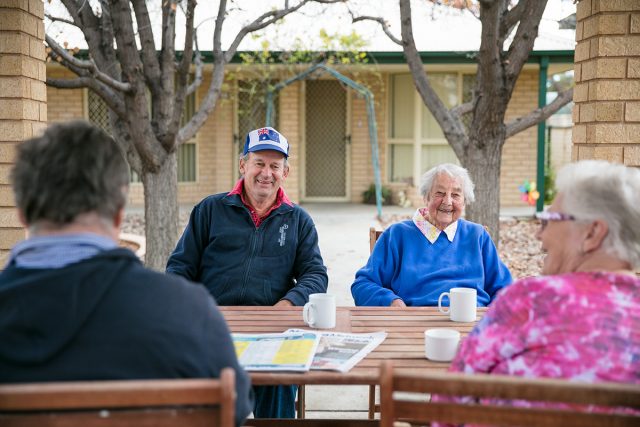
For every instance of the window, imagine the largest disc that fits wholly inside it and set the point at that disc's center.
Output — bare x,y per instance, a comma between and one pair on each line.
187,162
98,113
409,115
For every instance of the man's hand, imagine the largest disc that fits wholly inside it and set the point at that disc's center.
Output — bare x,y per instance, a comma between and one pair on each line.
397,303
283,303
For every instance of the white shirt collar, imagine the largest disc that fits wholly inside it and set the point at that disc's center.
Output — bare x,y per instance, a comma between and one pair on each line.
429,230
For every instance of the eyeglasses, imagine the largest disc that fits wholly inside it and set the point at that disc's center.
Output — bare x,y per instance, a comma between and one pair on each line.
547,216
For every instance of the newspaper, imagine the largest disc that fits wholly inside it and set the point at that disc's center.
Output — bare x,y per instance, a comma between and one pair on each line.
339,351
290,351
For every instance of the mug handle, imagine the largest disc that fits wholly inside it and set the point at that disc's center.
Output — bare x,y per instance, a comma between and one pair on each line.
307,314
440,308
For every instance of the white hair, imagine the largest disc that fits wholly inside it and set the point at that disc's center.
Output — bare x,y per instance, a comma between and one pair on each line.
596,189
454,171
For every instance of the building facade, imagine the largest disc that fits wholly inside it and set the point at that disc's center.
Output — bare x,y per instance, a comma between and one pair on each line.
327,126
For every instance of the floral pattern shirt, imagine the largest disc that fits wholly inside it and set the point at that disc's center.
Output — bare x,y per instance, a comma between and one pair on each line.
578,326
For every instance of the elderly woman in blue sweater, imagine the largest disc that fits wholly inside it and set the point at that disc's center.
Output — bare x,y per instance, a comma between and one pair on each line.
414,261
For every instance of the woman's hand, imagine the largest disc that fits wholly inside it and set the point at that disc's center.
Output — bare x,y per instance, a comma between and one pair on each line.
397,303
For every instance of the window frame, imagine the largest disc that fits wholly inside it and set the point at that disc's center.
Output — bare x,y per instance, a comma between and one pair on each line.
417,141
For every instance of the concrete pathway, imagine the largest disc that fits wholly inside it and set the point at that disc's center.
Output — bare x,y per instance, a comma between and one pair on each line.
343,231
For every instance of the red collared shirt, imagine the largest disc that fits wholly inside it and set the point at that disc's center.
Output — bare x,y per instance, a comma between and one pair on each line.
281,198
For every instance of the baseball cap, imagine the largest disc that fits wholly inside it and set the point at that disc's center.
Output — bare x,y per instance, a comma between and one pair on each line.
266,139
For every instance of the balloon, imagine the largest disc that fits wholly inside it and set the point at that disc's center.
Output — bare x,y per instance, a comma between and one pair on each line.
528,191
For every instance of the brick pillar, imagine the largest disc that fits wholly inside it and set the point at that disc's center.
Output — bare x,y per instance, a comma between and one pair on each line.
606,115
23,96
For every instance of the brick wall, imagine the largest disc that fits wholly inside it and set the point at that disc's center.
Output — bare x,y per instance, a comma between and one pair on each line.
290,126
607,74
23,99
64,104
519,155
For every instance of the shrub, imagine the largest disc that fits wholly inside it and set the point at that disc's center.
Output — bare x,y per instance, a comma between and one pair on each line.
369,195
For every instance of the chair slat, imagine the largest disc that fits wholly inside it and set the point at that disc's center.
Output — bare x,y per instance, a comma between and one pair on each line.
139,403
500,386
511,416
518,400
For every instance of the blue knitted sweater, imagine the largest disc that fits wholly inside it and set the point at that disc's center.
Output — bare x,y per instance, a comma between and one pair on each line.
404,264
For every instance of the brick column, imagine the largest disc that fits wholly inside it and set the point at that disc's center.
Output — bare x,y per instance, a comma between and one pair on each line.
23,96
606,115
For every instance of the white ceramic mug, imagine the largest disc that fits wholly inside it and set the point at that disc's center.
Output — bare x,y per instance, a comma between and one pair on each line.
462,304
320,311
440,345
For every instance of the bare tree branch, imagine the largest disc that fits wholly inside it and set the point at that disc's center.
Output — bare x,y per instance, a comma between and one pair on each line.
540,114
183,72
267,19
198,65
525,37
510,20
110,98
150,148
76,83
88,65
211,98
58,19
462,109
451,125
384,24
147,45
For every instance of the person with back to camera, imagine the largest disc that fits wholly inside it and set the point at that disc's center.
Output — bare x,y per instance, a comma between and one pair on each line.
580,319
73,305
414,261
253,246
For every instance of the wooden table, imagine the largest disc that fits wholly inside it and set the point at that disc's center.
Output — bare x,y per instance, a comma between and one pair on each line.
404,344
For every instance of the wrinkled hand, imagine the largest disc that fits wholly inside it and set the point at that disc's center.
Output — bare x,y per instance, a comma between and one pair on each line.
283,303
397,303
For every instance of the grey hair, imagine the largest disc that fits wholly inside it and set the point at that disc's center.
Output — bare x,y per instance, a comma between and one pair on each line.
454,171
245,157
596,189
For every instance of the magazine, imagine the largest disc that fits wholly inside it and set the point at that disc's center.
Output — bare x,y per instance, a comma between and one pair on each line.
339,351
290,351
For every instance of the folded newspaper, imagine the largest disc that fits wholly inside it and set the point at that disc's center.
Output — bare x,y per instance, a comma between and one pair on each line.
338,351
301,350
276,352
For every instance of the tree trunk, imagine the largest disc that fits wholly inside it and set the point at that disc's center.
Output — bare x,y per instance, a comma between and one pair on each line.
161,212
483,164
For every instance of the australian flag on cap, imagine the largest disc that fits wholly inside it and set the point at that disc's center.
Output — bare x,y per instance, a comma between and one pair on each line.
266,139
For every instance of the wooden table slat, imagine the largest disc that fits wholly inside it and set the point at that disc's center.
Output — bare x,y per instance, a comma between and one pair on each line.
404,343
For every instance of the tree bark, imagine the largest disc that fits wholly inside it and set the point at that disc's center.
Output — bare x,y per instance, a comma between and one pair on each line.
483,162
161,212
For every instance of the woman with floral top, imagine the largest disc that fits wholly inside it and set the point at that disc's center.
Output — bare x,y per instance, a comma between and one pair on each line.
414,261
581,320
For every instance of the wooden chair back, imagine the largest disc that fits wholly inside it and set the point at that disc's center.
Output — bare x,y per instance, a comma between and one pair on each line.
405,407
373,237
139,403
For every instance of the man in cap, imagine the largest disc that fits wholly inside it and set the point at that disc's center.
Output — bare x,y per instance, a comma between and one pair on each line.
73,305
253,246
